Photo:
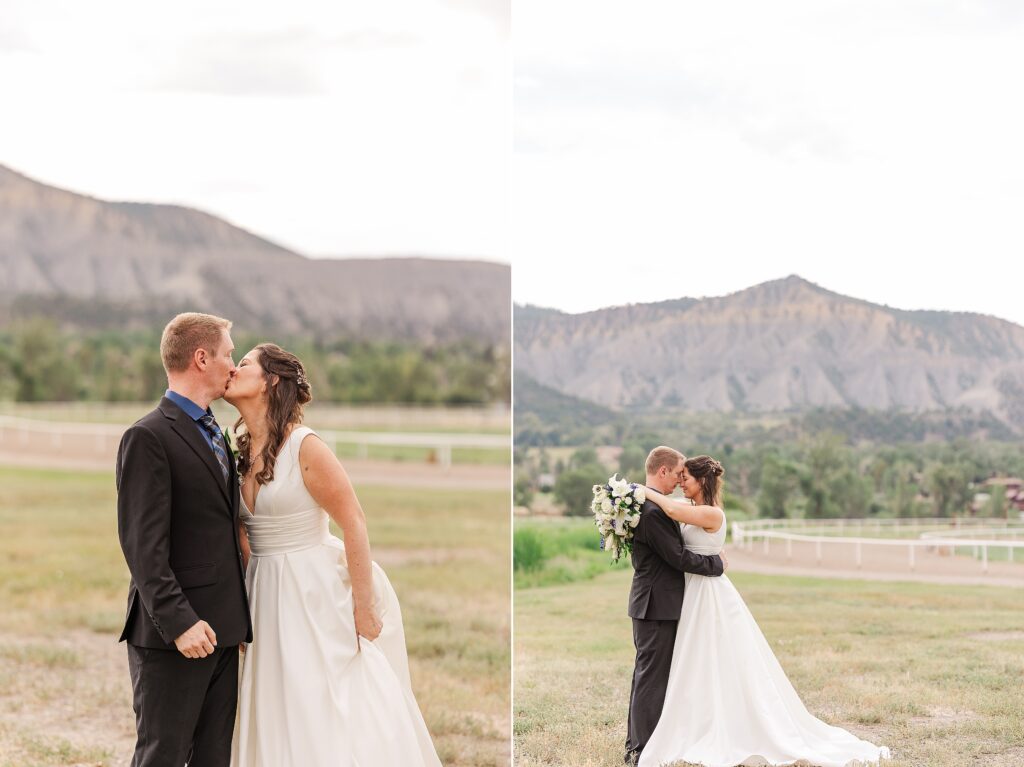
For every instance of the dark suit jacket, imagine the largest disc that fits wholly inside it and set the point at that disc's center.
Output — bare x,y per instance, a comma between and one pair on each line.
659,561
177,520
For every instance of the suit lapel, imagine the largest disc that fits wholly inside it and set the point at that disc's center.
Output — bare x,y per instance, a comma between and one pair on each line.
187,429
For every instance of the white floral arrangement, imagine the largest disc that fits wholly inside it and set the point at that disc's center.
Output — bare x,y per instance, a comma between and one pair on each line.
616,508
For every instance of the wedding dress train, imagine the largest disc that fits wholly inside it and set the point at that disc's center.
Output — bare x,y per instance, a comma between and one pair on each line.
728,701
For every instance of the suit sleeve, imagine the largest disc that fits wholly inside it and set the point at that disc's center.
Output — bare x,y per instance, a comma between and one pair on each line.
144,529
662,535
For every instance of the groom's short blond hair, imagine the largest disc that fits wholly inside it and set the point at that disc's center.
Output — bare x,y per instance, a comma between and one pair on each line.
186,333
662,456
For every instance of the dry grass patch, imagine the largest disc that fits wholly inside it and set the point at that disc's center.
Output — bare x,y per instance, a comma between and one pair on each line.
892,662
65,696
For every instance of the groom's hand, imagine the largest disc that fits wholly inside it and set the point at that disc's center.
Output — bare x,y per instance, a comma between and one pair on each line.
725,561
198,642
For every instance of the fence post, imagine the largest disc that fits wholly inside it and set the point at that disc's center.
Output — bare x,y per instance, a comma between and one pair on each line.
911,556
789,549
984,558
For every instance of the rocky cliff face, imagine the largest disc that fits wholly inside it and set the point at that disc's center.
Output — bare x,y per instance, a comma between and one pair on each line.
787,344
93,262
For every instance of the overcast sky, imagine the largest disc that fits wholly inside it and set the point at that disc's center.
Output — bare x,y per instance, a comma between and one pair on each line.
370,128
691,149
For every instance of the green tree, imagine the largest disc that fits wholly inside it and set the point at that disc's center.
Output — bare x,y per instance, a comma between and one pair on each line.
631,462
574,488
996,506
779,481
544,461
583,456
522,489
948,488
41,367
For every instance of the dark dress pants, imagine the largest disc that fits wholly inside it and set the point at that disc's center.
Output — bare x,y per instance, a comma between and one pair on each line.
654,641
184,707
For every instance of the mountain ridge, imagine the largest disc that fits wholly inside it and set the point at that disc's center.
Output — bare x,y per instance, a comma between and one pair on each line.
786,344
81,259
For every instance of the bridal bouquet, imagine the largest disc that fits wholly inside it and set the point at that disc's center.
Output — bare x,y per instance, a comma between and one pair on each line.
616,508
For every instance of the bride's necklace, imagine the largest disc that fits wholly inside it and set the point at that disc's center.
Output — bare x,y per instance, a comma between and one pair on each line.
250,472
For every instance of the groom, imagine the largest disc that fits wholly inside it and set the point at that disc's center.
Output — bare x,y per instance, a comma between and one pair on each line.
656,598
177,520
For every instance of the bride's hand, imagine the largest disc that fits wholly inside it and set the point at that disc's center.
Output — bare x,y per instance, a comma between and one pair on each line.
367,624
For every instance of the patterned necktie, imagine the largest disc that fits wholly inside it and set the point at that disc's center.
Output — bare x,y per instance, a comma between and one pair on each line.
219,448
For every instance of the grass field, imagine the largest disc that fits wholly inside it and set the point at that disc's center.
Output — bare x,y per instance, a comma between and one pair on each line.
557,550
934,672
64,690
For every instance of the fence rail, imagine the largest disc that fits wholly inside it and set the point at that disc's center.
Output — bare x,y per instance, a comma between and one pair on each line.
745,534
18,433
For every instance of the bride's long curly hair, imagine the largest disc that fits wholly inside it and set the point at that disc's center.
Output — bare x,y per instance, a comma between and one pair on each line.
708,473
288,391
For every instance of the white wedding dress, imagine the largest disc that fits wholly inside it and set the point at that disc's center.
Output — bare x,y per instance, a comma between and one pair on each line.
728,701
310,693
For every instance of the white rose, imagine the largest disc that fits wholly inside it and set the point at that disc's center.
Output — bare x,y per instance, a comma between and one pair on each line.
640,493
606,505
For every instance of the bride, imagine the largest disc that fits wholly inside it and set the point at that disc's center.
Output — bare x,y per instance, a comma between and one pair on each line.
326,678
729,701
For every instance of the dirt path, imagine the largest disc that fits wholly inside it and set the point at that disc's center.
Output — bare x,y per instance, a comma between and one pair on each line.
879,563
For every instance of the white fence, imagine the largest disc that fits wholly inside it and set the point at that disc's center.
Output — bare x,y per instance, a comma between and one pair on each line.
21,434
982,535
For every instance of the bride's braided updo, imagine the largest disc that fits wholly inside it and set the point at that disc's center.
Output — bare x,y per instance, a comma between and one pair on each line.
288,390
708,473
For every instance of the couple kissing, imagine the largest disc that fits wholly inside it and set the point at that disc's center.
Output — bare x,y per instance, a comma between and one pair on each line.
227,556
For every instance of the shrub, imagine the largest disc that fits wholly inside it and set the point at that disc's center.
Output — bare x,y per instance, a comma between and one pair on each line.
527,550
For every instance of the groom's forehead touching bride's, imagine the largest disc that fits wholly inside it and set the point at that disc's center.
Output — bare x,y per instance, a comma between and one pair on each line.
664,467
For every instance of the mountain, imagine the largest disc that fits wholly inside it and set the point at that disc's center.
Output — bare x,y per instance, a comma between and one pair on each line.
94,263
782,345
550,405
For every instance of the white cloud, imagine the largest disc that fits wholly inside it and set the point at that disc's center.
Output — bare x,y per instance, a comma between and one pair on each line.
696,149
336,129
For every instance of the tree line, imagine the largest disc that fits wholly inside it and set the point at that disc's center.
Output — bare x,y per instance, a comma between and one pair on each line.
824,476
41,362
